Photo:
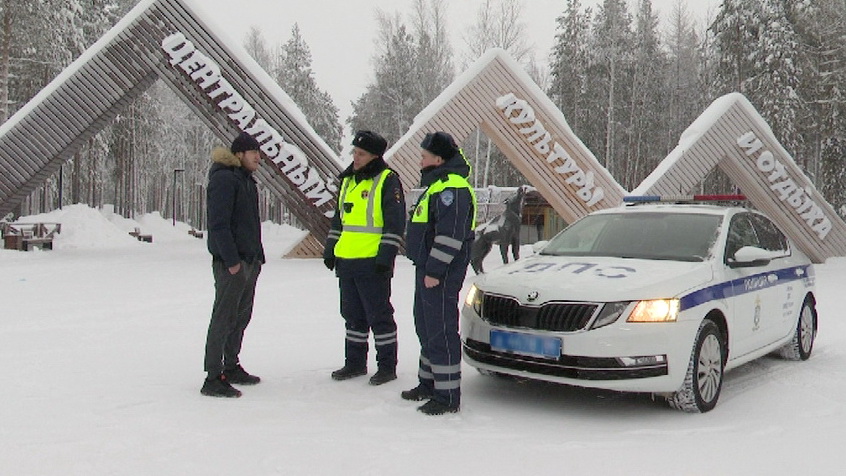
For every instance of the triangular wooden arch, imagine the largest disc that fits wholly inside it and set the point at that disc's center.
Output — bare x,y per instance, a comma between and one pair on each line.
498,96
733,136
221,83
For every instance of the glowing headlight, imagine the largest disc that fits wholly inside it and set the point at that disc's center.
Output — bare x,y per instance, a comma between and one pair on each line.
474,299
656,310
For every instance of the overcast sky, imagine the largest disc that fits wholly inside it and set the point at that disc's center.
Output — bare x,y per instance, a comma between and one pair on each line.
341,33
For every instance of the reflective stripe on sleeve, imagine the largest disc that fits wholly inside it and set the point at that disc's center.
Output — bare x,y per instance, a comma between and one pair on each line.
448,241
441,256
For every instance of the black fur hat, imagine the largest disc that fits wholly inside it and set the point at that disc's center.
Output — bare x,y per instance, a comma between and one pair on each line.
243,143
371,142
441,144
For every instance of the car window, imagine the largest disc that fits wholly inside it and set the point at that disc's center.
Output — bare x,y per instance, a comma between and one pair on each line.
741,233
770,237
668,236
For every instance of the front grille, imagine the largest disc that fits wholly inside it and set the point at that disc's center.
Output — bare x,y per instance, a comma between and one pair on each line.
569,366
552,316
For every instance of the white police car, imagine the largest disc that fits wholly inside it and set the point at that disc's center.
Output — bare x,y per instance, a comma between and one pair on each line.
660,298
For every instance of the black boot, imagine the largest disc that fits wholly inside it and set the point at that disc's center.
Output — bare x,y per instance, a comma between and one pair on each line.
417,394
383,376
240,376
435,407
219,387
347,372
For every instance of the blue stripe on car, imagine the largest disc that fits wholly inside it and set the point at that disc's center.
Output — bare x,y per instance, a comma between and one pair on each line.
745,285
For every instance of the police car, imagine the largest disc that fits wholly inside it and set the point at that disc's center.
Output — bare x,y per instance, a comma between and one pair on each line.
660,296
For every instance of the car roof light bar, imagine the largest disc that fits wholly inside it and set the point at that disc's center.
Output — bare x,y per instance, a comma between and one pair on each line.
683,198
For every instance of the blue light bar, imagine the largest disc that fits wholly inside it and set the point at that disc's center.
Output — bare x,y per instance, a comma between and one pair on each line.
683,198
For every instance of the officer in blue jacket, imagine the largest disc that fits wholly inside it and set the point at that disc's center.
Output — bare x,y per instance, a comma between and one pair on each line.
365,236
439,236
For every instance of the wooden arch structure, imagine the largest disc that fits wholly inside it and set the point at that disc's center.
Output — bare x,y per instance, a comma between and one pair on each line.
219,81
496,95
733,136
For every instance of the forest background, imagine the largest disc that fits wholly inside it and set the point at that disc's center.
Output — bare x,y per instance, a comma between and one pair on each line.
627,83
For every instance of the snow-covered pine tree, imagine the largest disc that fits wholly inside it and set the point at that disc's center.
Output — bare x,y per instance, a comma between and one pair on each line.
647,101
686,82
612,49
569,63
296,77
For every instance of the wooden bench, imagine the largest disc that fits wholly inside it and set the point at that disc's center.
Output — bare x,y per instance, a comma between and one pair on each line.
27,236
137,234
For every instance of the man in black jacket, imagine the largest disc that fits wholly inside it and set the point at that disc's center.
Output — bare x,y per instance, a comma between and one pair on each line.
440,233
365,236
237,255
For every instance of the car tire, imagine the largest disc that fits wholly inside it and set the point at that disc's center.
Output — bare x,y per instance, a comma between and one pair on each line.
704,378
802,343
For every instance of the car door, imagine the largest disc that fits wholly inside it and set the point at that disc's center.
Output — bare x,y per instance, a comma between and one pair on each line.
754,311
785,292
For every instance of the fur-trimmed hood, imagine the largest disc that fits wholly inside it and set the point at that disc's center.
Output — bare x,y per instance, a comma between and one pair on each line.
222,155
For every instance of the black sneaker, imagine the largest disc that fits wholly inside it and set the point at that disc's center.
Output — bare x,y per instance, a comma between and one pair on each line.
434,407
239,376
219,387
383,376
347,372
417,394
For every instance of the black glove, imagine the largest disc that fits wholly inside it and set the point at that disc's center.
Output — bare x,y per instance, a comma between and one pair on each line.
329,263
382,268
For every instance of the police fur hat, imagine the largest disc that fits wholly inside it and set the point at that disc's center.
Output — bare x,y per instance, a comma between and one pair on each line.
371,142
441,144
243,143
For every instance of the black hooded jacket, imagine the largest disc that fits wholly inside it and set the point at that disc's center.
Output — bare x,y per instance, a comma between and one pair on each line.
233,214
450,218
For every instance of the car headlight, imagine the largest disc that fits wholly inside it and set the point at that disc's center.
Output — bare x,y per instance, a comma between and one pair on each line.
655,310
610,313
474,299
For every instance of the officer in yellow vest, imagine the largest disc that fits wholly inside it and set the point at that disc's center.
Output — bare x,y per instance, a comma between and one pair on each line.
440,233
366,234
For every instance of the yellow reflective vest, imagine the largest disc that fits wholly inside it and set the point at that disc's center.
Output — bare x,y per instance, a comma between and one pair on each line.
360,206
421,211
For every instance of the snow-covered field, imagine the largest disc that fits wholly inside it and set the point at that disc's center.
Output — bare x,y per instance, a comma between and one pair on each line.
101,344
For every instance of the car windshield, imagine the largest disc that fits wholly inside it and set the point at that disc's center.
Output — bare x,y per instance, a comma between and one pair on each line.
642,235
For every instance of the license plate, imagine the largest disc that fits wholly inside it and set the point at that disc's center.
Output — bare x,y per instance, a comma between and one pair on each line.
526,344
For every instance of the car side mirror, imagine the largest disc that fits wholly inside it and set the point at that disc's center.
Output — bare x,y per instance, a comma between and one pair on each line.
538,246
750,257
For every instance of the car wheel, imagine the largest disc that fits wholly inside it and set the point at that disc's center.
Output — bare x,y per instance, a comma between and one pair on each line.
704,378
802,343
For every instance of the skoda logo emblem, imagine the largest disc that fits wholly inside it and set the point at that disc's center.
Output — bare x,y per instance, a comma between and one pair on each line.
532,296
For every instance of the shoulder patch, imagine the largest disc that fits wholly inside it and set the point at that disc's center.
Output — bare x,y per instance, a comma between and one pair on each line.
447,197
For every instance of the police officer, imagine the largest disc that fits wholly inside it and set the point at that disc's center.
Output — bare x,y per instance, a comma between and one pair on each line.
440,233
366,234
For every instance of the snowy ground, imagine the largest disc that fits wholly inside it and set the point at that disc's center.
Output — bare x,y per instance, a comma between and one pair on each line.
102,343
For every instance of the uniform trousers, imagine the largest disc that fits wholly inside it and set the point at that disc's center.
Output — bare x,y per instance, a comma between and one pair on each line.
436,322
365,306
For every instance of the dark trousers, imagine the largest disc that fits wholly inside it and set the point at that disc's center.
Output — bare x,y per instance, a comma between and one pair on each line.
365,306
436,322
233,308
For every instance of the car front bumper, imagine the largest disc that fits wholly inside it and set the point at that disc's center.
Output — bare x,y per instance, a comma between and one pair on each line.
640,357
